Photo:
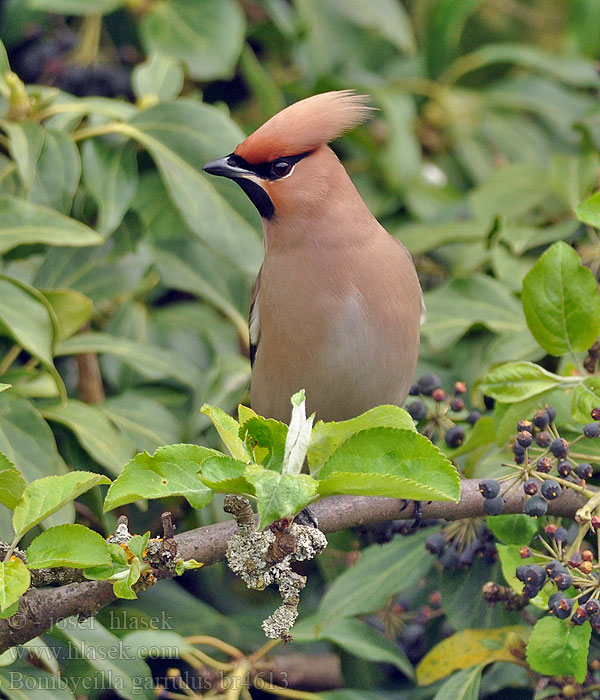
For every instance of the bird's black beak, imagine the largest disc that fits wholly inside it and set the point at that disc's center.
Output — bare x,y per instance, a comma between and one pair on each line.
225,167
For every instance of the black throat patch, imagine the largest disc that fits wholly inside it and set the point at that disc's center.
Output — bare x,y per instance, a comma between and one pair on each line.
258,197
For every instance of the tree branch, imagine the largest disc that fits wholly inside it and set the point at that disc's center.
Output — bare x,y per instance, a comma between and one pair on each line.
40,609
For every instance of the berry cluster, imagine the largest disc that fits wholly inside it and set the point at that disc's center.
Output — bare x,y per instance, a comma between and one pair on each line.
438,413
544,462
460,542
570,570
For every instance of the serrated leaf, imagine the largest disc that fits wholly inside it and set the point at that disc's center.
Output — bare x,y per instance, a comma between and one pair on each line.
516,381
171,471
279,494
561,302
74,546
390,462
266,439
327,437
43,497
14,581
558,648
469,648
585,397
225,475
138,543
11,485
228,429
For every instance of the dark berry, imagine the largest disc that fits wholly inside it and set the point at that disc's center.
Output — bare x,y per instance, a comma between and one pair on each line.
564,468
530,487
428,384
592,607
524,438
489,488
412,634
449,558
585,471
417,410
576,560
554,568
595,622
524,425
414,390
457,404
563,580
556,598
473,417
550,490
536,506
455,436
559,448
544,465
435,543
550,530
579,616
561,608
488,402
595,413
467,556
535,574
591,430
494,506
541,420
561,536
551,413
489,553
521,572
519,453
543,439
530,590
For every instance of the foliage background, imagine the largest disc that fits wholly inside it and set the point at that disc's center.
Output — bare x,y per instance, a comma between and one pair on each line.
485,142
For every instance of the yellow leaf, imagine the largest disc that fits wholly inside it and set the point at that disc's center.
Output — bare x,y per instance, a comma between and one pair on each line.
471,647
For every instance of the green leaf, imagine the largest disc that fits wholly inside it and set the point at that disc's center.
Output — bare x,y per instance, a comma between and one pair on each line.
384,17
74,546
206,36
96,434
118,565
111,176
138,543
517,381
482,434
228,429
454,307
561,302
382,571
266,439
4,387
390,462
463,685
22,222
43,497
469,648
226,475
589,210
279,494
510,558
421,238
171,471
152,362
76,7
585,397
14,581
161,643
48,686
160,77
71,308
129,677
11,486
557,648
513,529
181,136
24,313
327,437
4,68
362,640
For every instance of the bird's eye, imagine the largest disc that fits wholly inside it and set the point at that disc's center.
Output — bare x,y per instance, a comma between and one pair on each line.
280,168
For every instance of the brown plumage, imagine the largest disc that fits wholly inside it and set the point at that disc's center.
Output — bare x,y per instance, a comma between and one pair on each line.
337,303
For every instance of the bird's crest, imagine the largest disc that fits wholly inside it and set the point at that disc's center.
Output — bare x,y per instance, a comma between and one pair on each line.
305,125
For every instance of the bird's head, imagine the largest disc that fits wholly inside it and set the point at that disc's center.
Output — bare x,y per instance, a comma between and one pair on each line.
285,166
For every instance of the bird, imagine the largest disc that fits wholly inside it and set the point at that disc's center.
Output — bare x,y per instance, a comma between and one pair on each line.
337,304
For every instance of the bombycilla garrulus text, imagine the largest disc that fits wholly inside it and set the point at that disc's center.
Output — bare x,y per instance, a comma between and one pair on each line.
337,304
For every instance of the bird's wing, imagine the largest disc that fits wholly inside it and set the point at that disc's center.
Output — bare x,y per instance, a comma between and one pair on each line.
423,317
254,321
